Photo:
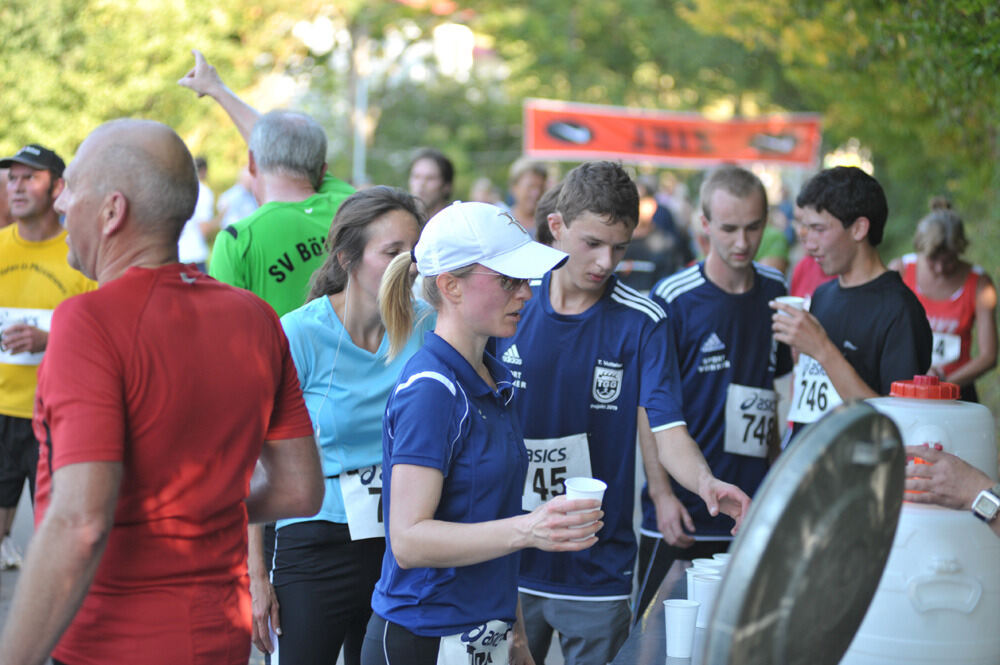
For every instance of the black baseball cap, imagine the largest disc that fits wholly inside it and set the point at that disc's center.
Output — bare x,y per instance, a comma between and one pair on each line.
37,157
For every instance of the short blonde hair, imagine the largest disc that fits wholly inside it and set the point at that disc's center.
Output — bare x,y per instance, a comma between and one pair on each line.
941,230
526,165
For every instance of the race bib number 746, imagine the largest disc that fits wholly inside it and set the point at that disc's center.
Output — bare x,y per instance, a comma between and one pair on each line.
813,393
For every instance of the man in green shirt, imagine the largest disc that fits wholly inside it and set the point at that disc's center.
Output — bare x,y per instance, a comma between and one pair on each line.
275,250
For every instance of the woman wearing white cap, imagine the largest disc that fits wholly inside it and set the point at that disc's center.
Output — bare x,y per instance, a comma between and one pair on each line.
454,461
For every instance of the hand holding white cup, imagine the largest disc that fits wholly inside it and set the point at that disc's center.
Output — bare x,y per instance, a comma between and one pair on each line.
795,302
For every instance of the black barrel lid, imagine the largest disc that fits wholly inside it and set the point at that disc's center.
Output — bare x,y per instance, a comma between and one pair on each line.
810,554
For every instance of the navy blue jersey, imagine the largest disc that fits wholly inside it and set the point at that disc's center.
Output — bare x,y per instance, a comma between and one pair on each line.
727,355
442,415
580,380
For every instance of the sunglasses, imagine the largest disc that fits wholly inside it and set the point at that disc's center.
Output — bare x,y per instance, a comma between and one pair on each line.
509,284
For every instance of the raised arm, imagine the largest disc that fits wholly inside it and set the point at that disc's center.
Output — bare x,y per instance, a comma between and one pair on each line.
205,80
804,333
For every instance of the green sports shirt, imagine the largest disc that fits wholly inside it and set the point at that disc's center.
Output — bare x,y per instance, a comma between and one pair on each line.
275,250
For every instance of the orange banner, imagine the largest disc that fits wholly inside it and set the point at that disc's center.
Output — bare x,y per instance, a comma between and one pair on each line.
578,132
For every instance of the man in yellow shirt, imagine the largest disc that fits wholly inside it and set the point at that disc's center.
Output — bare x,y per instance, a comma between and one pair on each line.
34,278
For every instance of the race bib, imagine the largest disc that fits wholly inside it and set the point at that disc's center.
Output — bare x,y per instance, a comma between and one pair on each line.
39,318
750,420
482,645
550,462
362,492
814,393
947,349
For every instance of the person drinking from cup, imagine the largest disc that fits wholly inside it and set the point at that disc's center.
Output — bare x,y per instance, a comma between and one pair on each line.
863,330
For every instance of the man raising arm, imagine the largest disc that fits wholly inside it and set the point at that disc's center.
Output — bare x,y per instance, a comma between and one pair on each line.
146,462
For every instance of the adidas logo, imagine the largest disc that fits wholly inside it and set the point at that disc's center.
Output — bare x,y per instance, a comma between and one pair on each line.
712,344
511,356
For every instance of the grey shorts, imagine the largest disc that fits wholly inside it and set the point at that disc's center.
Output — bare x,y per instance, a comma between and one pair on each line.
590,631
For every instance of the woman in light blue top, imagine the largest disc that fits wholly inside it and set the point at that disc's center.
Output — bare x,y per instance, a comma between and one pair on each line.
326,566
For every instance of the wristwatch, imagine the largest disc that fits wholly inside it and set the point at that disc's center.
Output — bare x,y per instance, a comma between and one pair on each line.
987,504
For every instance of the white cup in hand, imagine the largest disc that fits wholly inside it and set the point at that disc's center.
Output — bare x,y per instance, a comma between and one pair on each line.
584,488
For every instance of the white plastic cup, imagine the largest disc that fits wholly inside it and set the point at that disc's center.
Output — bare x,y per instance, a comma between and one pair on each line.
691,572
792,301
585,488
580,487
722,556
705,588
680,617
706,564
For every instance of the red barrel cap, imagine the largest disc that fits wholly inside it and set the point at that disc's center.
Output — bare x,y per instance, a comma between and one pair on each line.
924,387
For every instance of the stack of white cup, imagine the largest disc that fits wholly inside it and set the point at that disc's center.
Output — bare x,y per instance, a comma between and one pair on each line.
703,580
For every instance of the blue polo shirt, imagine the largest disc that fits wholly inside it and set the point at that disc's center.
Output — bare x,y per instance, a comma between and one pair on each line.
720,339
345,388
442,415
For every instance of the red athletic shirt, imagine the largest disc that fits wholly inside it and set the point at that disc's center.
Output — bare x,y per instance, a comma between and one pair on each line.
180,378
806,277
949,318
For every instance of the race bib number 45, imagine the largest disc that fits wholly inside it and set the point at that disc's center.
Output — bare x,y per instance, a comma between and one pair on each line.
750,420
362,492
814,394
550,462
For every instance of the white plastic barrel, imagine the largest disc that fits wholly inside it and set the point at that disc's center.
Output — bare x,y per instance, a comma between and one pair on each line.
938,602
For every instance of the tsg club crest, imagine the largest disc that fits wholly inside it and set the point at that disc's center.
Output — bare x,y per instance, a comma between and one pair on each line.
607,381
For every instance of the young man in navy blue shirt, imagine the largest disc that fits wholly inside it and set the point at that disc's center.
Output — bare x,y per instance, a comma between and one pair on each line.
592,369
720,326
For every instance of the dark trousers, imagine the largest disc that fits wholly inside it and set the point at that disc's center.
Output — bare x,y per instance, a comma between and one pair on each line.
324,583
387,643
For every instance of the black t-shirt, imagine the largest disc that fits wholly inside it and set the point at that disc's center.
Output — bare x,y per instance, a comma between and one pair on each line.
880,327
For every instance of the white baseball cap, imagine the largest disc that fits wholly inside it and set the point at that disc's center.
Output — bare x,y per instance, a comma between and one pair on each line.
466,233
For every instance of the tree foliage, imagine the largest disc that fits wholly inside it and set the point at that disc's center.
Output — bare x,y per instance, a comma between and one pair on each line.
914,81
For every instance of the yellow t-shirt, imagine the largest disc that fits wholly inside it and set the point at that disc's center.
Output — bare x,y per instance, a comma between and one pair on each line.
34,278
